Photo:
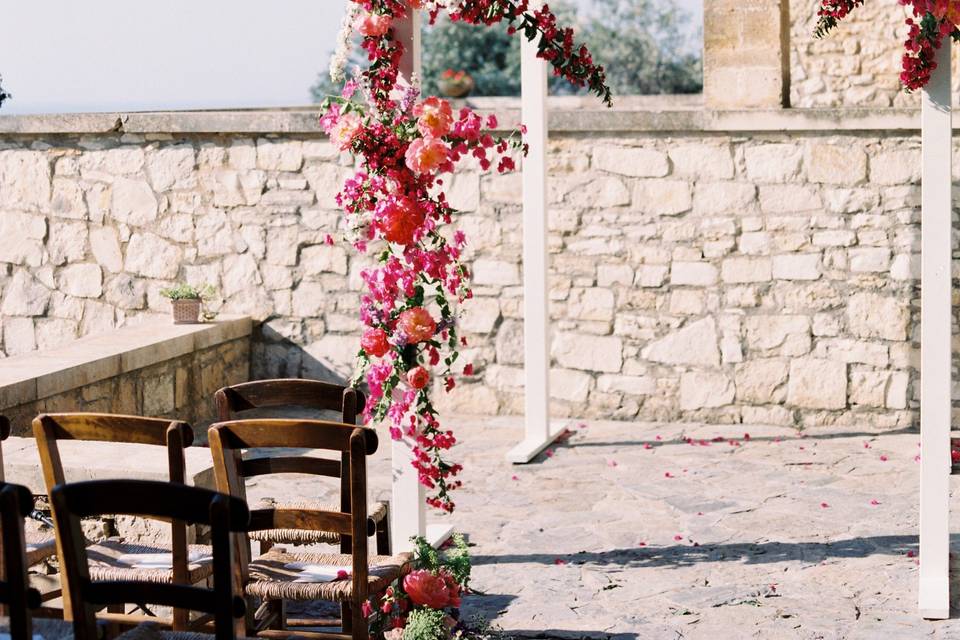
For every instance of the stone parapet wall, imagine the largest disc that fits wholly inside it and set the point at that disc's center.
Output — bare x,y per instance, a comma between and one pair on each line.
149,368
750,267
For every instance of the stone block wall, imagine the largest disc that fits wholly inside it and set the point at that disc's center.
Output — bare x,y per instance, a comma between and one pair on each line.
162,378
718,276
858,64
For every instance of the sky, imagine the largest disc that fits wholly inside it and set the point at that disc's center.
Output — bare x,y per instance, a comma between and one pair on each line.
118,55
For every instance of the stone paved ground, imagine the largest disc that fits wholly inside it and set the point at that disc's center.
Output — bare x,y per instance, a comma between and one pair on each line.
622,534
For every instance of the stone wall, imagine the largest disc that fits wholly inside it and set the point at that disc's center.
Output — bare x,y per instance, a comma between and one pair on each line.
858,64
700,271
149,368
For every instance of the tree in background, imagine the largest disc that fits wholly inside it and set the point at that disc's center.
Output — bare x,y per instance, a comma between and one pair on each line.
646,46
3,94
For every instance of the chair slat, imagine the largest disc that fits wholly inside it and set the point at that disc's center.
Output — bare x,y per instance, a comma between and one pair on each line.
308,519
290,464
313,394
305,434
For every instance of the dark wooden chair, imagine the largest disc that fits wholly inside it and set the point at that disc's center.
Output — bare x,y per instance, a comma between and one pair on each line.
16,595
160,500
279,576
315,395
115,559
39,545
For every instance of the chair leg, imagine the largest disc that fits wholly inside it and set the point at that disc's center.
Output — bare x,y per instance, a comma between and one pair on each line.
383,535
346,617
360,630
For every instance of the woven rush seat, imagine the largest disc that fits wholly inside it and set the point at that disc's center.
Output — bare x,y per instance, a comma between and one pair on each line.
377,512
40,546
116,560
278,575
151,631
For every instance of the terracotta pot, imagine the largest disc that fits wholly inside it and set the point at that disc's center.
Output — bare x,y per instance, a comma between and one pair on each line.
456,88
186,311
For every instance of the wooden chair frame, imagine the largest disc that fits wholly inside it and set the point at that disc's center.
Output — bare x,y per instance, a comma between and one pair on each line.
159,500
228,439
18,598
311,394
175,435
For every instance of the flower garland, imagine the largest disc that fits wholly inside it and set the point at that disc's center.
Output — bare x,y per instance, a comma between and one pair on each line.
932,21
396,209
424,603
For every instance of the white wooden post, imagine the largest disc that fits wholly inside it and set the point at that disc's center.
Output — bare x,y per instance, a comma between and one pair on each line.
935,342
408,509
536,313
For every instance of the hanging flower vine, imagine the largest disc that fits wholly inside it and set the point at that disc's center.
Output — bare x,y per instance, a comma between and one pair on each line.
932,21
397,210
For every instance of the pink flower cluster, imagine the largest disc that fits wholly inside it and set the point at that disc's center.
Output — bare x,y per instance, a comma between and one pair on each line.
396,210
932,21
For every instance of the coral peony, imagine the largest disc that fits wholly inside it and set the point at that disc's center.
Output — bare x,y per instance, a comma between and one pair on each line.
435,117
417,325
399,220
426,155
373,25
345,130
418,377
374,342
428,589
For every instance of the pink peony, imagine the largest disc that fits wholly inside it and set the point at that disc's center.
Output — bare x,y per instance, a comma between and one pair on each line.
417,324
435,117
345,130
437,591
373,25
426,155
374,342
418,377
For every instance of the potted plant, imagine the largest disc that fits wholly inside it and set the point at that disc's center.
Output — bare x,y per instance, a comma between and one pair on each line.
455,84
186,300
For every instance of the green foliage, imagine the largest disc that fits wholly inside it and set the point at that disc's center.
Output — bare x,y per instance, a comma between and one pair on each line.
645,45
426,624
456,558
184,291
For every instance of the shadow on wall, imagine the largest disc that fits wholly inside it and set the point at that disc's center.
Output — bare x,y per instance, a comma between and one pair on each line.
275,356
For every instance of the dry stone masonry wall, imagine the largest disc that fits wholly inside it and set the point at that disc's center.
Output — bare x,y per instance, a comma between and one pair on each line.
722,277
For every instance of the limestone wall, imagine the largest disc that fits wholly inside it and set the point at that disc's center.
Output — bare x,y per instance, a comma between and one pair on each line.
701,271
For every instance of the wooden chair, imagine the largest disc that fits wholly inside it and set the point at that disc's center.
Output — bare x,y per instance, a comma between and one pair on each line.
39,545
150,499
16,595
114,559
274,577
317,396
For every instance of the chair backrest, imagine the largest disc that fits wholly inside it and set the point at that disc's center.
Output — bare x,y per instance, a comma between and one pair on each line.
16,502
151,499
228,439
309,394
175,436
4,434
295,392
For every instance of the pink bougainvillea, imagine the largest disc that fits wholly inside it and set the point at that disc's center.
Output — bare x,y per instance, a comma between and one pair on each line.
396,210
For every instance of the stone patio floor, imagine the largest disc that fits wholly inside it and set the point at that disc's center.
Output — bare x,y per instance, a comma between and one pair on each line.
627,530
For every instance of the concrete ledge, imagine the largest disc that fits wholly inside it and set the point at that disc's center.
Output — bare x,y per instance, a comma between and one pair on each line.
38,375
684,116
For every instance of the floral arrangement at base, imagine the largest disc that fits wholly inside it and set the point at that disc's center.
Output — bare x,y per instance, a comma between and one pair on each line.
398,213
425,603
932,21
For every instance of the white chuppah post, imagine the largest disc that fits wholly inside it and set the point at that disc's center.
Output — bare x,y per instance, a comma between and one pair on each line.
408,508
935,342
536,312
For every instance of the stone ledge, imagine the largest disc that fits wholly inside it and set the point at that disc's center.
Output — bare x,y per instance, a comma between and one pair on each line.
563,119
34,376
